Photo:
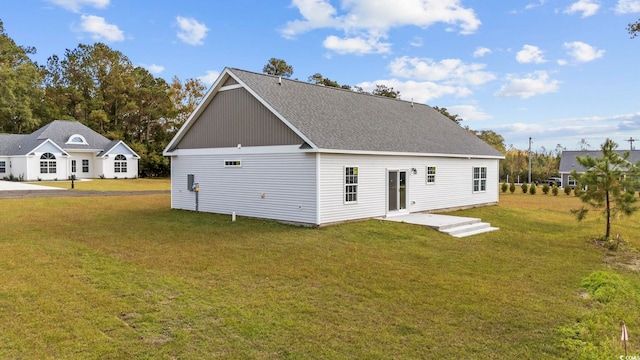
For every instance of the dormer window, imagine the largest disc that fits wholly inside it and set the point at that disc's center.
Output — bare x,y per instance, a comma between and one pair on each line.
77,139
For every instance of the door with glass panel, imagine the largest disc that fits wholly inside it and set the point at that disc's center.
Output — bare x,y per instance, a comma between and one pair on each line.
397,190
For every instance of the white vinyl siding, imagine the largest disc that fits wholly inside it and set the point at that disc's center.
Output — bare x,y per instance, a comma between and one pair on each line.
450,191
271,186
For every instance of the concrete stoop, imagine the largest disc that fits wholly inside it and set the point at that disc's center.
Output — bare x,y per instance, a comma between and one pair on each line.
453,225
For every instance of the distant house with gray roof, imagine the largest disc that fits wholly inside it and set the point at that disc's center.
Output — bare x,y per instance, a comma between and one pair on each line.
569,162
62,149
266,147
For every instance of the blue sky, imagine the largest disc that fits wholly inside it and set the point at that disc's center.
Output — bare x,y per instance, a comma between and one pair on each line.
556,71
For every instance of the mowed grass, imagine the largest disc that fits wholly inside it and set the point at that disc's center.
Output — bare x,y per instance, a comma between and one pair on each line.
128,278
139,184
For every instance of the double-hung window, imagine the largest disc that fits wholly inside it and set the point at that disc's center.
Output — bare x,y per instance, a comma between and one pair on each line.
85,165
3,167
350,184
479,179
431,175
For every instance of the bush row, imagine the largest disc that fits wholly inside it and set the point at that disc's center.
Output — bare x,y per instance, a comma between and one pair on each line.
533,189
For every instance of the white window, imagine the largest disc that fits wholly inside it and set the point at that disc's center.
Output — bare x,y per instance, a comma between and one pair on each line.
77,139
73,166
3,167
232,163
350,184
120,164
431,175
479,179
47,163
85,165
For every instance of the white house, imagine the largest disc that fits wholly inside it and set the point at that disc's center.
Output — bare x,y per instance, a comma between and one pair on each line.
265,147
62,149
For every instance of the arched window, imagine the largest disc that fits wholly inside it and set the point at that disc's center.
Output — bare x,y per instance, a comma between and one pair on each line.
47,163
120,164
77,139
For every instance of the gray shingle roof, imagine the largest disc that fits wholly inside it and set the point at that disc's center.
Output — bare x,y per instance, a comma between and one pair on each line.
340,119
568,160
59,132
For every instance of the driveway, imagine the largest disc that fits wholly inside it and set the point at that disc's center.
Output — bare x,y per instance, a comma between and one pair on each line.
13,190
20,186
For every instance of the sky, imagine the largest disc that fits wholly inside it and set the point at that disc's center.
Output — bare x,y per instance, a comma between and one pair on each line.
561,72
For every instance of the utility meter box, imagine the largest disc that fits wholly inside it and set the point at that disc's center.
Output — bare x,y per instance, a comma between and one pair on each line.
190,182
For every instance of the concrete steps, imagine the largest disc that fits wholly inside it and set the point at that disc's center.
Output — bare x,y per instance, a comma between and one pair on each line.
467,229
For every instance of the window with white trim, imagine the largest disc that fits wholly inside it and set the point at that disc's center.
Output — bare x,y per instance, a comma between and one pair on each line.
232,163
479,179
3,167
85,165
120,164
73,166
48,163
431,175
350,184
77,139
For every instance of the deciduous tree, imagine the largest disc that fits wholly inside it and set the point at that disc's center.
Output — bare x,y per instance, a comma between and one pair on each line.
278,67
20,91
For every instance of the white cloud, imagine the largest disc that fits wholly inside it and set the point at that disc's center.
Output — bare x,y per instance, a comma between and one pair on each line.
191,31
100,29
371,20
586,7
356,45
210,77
535,4
481,52
448,71
468,112
582,52
76,5
153,68
416,42
418,91
536,83
530,54
628,6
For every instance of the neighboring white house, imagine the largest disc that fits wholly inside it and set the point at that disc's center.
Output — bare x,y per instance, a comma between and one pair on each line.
61,149
265,147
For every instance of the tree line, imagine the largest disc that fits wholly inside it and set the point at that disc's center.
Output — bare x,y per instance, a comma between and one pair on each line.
102,89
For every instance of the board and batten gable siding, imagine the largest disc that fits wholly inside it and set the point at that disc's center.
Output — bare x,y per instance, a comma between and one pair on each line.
453,187
235,117
271,186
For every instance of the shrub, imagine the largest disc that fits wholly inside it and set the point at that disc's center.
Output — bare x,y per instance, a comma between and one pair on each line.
554,191
567,189
512,188
532,189
545,188
504,187
524,188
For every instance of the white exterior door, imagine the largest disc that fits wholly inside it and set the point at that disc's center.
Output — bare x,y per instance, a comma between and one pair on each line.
397,191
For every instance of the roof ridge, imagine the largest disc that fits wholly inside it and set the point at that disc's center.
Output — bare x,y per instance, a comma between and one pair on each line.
351,91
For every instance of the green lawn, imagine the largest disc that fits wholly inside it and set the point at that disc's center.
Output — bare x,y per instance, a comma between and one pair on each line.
128,278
